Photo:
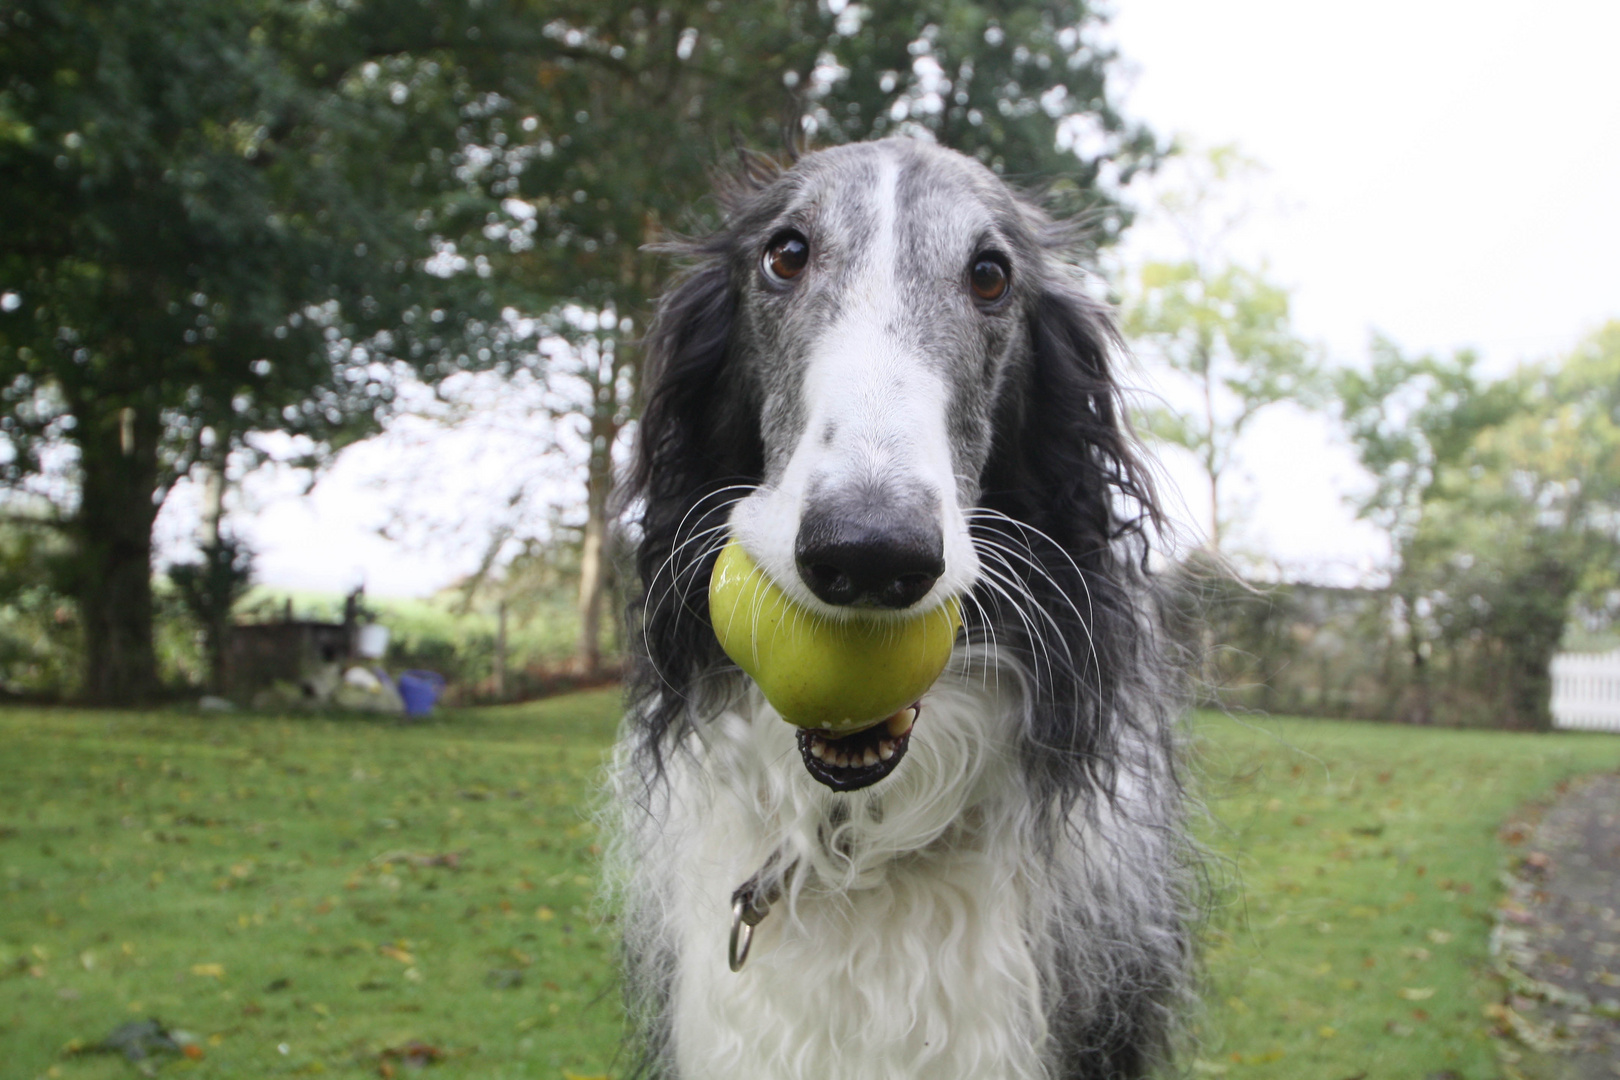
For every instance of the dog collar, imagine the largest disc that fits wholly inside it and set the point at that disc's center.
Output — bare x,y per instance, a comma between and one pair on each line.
751,902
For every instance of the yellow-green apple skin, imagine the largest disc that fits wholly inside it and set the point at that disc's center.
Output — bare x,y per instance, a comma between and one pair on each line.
838,675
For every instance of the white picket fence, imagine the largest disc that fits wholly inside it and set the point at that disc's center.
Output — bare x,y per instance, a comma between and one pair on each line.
1586,691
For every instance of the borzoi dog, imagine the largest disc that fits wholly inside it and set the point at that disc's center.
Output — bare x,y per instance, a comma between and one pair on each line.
883,378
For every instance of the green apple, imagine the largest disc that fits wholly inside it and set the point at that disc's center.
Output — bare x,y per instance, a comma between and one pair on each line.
836,674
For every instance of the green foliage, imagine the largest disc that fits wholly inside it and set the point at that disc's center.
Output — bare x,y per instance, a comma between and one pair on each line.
1226,332
1409,419
223,217
634,103
180,643
40,634
1501,504
210,209
211,227
210,589
1290,648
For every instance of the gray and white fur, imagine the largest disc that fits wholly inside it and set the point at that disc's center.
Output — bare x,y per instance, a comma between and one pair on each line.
880,430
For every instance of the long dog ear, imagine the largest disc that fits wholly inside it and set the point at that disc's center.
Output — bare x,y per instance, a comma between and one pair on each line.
1069,495
1064,459
687,433
698,433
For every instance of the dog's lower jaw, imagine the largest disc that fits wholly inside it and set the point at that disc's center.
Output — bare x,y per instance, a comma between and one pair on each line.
852,762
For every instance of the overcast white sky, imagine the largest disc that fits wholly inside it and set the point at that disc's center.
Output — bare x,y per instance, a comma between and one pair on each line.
1444,171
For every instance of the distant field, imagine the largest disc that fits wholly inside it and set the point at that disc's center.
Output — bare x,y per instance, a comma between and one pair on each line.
313,896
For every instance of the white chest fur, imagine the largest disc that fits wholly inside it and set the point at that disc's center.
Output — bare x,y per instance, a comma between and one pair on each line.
903,948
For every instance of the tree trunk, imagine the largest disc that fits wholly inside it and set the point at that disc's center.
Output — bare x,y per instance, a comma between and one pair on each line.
113,530
1212,462
1421,709
592,576
498,682
217,625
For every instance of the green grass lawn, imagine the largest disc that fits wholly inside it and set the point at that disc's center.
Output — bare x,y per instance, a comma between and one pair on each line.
304,895
1360,865
307,895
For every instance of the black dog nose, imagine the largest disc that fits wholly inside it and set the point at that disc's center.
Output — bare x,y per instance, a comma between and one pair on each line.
889,558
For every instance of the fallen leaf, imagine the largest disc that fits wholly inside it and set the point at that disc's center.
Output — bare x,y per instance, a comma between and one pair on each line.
209,971
414,1054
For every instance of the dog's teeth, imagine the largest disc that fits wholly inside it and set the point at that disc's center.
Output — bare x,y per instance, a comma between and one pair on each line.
818,749
869,758
901,722
885,749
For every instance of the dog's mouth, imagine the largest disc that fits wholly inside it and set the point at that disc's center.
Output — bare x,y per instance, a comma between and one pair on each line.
861,759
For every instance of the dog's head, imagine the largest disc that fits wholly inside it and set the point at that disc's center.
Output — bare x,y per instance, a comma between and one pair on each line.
880,300
880,355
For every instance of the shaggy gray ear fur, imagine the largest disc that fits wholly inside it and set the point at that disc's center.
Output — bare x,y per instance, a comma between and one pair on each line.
754,173
1067,489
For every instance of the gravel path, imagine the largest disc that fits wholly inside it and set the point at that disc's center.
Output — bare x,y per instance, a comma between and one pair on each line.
1558,939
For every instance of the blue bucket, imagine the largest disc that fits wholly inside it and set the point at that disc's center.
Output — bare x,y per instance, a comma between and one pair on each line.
419,690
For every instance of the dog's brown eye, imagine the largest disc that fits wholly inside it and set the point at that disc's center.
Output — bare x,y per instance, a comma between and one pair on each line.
786,255
989,277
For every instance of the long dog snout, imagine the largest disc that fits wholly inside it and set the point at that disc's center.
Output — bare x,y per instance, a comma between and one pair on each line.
881,550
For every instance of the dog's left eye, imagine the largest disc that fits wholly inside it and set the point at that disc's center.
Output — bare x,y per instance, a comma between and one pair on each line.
786,255
989,277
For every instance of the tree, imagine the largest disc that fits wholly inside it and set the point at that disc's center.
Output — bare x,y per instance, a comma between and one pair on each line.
1410,420
1501,502
1530,523
1227,331
213,224
1223,329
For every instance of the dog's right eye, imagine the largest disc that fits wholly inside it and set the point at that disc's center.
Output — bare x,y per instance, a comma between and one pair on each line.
988,277
786,256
